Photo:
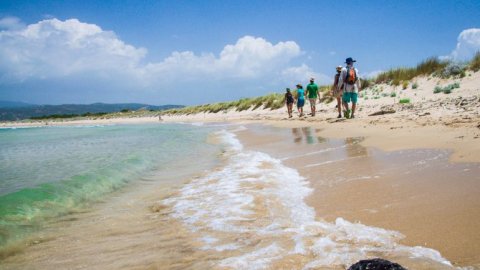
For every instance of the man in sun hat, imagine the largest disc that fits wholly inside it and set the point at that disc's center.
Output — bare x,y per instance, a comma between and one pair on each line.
312,93
350,84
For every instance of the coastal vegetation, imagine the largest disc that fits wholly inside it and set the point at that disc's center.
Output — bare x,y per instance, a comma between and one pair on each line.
404,100
446,89
475,63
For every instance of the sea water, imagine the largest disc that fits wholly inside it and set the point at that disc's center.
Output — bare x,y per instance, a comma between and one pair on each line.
49,172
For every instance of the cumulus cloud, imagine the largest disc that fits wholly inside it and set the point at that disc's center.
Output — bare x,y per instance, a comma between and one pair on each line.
371,74
53,50
248,58
11,23
303,73
468,43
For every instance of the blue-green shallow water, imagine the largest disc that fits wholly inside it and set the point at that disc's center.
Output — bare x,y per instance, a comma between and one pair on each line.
48,172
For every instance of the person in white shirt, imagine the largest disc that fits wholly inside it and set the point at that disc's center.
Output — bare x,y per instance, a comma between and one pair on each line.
350,82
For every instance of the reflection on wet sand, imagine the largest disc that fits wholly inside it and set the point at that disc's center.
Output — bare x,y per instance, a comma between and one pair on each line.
354,148
306,135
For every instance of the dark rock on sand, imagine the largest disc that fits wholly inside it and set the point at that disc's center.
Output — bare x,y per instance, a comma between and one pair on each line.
382,112
376,264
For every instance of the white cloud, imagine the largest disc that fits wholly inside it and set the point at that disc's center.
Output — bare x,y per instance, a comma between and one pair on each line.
371,74
468,43
11,23
248,58
303,73
53,49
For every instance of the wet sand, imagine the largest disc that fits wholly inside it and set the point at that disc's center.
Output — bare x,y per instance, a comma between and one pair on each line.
416,192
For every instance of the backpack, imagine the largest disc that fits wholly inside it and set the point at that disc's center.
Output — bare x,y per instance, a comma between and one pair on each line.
351,76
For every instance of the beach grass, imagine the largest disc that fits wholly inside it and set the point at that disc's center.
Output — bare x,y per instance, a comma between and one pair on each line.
271,101
474,64
427,67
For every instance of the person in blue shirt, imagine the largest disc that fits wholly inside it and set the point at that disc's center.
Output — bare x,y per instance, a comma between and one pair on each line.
300,99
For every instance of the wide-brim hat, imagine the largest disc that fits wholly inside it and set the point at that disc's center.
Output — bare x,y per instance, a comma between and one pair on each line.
338,68
349,60
299,85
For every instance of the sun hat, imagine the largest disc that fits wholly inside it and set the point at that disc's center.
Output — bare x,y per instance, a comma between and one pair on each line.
338,68
312,79
299,85
350,60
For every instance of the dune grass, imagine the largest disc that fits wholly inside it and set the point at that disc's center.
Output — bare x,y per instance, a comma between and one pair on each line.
271,101
428,67
474,64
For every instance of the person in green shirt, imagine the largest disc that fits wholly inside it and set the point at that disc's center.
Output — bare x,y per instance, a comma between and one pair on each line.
312,94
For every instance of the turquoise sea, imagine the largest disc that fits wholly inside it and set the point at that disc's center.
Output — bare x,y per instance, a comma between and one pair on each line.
48,172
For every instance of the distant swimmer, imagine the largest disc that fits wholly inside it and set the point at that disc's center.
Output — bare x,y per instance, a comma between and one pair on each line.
289,102
350,84
337,91
312,93
300,99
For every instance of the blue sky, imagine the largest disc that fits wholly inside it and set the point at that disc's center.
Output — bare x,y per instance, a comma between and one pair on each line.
192,52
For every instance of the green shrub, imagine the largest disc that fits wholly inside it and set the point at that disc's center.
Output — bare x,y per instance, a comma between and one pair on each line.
437,89
447,89
404,85
393,94
415,85
404,100
453,69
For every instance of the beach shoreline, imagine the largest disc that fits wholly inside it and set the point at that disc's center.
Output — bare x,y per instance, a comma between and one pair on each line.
344,200
384,189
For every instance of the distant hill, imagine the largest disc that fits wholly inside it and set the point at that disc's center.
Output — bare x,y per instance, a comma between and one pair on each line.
11,111
14,104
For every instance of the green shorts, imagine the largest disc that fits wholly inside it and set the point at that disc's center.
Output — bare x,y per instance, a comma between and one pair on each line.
350,96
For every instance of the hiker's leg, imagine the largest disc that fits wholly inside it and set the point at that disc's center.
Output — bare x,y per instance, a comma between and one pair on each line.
339,105
354,102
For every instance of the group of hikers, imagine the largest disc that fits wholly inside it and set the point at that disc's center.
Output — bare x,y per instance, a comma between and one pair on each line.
345,89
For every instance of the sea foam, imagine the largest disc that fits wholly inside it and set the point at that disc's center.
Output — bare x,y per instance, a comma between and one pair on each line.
255,206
